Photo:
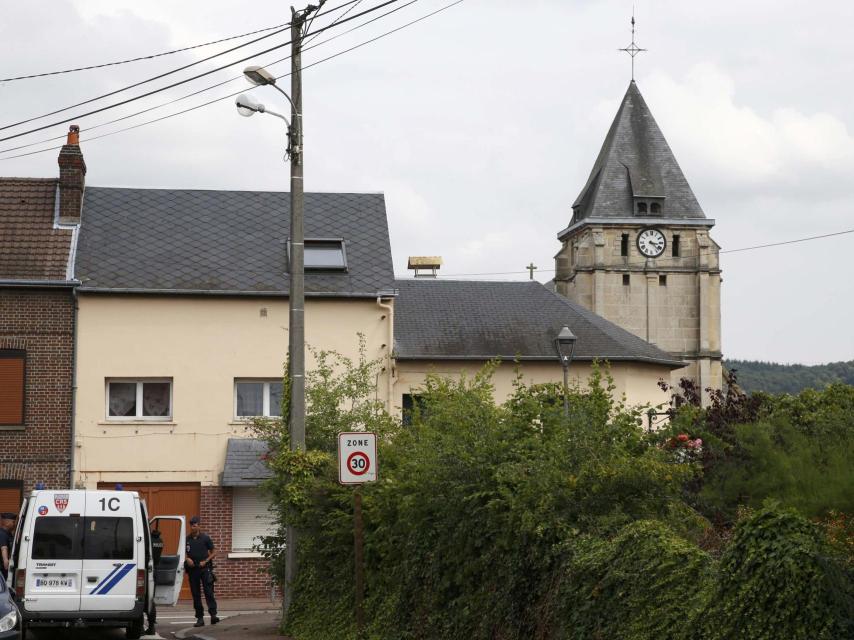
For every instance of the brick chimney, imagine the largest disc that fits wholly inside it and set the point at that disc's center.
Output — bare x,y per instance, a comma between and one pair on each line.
72,178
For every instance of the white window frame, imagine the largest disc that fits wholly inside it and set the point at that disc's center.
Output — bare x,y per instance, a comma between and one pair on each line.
265,397
138,417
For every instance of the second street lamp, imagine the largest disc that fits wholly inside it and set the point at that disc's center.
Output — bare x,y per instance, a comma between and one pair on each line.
565,345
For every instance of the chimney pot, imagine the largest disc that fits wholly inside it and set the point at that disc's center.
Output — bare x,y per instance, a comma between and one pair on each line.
73,135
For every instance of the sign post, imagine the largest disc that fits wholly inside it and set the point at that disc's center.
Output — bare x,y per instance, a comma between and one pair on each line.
357,464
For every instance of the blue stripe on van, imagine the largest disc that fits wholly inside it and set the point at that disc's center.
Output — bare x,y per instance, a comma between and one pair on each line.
116,579
100,584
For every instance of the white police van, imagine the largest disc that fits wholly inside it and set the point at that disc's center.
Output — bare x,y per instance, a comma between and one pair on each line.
84,558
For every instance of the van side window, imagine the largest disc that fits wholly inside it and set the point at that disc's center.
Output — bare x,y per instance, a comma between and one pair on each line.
57,538
108,539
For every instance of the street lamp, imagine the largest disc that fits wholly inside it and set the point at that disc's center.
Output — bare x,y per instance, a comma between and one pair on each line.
248,106
565,345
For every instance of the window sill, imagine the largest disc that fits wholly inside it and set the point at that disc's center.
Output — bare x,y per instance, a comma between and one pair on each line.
12,427
139,423
244,555
247,422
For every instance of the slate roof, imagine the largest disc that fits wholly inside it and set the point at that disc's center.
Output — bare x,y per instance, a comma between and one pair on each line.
30,247
467,320
243,464
635,160
197,241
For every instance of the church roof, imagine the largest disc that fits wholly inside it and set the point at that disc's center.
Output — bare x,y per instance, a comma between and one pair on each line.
635,162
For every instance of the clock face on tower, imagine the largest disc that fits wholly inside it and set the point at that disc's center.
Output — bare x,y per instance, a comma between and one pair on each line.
651,243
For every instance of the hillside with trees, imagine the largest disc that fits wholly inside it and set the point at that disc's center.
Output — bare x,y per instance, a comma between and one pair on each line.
789,378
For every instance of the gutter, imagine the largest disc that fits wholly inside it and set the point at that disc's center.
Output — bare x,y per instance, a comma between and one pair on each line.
389,308
47,284
73,418
226,292
674,364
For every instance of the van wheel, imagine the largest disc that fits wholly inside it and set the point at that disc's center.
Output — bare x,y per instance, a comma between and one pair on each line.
134,630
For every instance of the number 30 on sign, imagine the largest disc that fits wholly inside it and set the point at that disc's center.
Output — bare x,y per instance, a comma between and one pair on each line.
357,457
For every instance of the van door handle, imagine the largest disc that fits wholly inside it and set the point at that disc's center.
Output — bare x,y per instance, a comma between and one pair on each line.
92,578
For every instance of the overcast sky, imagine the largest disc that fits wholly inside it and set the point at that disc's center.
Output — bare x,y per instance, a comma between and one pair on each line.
481,124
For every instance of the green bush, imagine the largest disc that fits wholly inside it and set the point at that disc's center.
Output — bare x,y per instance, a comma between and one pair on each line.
646,583
778,580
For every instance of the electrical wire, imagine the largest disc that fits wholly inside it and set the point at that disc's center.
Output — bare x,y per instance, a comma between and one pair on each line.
664,267
205,104
214,86
173,51
163,75
148,57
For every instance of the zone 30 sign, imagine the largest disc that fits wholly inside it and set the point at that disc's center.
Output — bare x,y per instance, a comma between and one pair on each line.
357,457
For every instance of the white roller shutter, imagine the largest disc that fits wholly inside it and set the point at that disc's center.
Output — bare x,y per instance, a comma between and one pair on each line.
250,519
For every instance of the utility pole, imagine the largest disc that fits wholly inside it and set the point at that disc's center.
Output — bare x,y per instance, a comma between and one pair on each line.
296,293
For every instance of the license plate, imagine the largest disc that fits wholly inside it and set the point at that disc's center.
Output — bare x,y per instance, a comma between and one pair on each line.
62,583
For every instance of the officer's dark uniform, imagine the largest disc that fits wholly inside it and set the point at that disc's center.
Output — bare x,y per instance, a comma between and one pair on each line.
201,578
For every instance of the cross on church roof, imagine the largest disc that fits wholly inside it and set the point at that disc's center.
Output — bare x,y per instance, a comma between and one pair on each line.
633,49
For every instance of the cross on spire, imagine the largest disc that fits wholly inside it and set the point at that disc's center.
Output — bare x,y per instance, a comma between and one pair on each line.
633,49
531,267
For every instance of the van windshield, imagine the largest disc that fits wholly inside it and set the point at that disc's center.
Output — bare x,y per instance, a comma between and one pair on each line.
89,538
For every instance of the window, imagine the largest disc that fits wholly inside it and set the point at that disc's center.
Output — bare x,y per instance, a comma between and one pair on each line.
257,398
655,208
325,255
251,520
75,538
409,402
641,207
108,538
12,384
662,281
139,399
57,538
626,280
675,246
624,245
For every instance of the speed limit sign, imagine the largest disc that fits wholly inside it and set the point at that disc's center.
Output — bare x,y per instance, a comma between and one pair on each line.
357,457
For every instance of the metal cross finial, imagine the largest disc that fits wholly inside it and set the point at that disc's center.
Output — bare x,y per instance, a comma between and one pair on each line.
633,49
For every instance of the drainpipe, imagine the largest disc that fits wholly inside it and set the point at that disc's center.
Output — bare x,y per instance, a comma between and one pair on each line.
73,446
389,308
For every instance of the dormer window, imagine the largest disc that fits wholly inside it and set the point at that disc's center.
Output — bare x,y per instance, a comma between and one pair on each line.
655,208
325,254
642,207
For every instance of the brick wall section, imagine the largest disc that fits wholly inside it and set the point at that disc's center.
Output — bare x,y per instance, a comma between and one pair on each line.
40,322
238,578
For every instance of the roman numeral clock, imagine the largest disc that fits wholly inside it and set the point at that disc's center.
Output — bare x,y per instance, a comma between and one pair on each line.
651,243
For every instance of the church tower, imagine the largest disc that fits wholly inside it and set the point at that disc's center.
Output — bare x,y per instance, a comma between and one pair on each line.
637,250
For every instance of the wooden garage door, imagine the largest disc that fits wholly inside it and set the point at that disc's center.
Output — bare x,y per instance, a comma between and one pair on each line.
167,499
10,495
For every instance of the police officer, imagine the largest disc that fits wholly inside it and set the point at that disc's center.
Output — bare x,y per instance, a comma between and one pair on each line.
7,527
156,552
200,552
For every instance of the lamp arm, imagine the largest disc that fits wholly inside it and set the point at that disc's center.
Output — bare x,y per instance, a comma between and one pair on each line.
293,106
278,115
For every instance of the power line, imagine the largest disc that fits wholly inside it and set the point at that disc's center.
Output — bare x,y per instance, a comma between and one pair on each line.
208,88
148,57
173,51
163,75
231,95
697,255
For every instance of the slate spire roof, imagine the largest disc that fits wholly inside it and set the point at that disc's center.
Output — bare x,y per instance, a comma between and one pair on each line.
635,161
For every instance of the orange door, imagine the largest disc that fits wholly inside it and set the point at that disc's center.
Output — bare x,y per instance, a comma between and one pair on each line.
167,499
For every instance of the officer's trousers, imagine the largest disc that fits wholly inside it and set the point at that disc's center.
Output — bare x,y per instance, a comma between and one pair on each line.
200,579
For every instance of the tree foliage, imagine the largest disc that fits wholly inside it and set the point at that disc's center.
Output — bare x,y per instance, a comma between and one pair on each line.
515,521
775,378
